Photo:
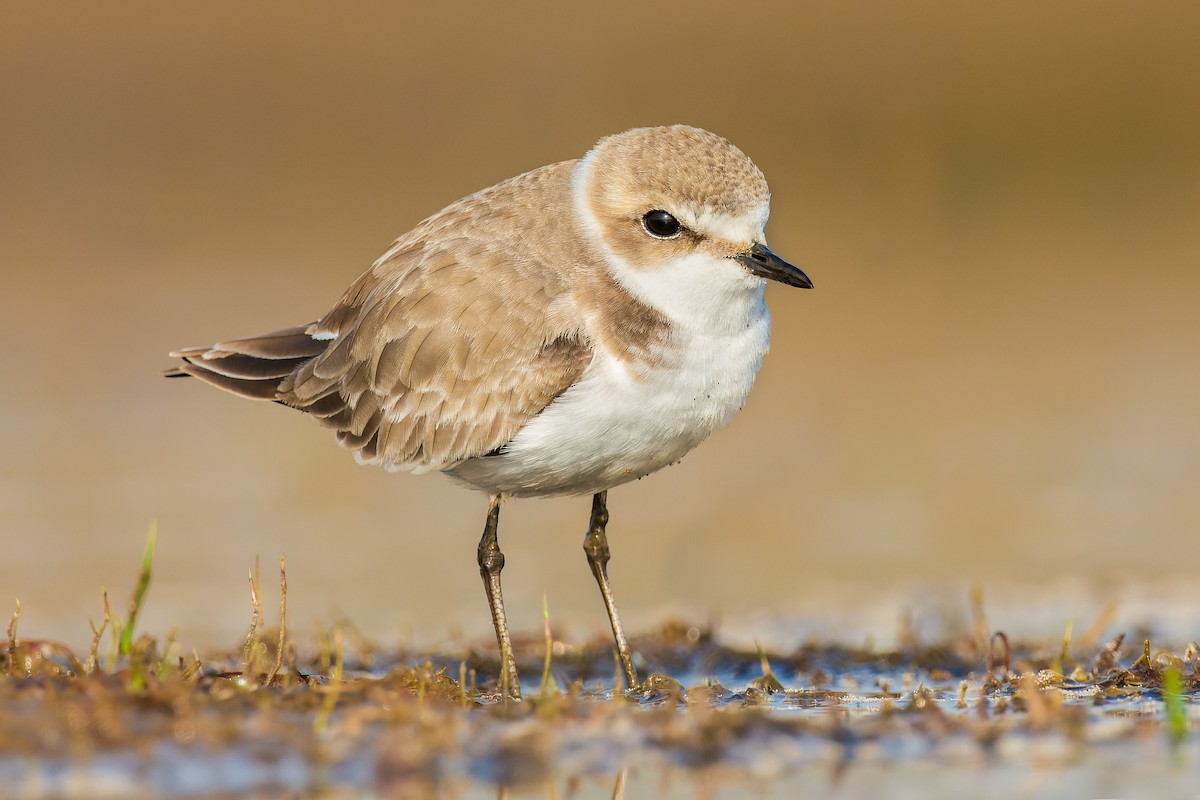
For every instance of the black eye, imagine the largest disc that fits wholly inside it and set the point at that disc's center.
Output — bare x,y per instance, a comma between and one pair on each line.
661,224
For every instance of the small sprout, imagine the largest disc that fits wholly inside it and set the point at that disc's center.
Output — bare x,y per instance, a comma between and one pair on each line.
139,592
767,682
93,659
137,677
1143,660
191,670
333,689
1059,665
548,683
114,628
1172,692
250,650
164,664
282,621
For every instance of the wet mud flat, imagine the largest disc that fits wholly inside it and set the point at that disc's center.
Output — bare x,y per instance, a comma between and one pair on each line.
340,717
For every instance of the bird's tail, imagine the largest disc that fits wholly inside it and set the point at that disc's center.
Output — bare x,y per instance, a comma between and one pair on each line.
252,367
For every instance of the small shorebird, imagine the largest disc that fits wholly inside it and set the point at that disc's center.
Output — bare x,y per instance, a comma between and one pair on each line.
560,333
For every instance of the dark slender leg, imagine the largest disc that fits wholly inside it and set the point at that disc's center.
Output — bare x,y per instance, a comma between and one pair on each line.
595,544
491,562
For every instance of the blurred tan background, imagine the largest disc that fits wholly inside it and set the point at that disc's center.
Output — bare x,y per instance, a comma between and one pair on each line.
995,382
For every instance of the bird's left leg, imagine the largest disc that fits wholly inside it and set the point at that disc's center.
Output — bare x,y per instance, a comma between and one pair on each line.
595,544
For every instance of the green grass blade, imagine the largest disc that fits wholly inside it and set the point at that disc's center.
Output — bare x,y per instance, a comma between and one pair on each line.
1172,692
139,593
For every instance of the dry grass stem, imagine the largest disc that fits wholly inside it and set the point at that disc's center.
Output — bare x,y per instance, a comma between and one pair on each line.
282,622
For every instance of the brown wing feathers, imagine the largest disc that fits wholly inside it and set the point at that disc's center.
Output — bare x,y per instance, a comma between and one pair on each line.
436,361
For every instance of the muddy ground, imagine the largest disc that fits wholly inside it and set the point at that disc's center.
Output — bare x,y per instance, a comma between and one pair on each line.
342,717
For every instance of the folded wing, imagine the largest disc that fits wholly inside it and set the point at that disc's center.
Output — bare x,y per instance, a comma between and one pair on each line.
440,353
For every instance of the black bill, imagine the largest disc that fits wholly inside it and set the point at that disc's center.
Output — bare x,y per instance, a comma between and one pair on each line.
762,262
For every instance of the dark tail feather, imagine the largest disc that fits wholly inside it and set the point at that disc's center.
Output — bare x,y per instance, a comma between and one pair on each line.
251,367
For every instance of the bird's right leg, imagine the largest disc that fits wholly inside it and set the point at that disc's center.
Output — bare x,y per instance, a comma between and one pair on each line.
491,562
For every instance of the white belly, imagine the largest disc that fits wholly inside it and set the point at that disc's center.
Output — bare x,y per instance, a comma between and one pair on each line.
613,426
